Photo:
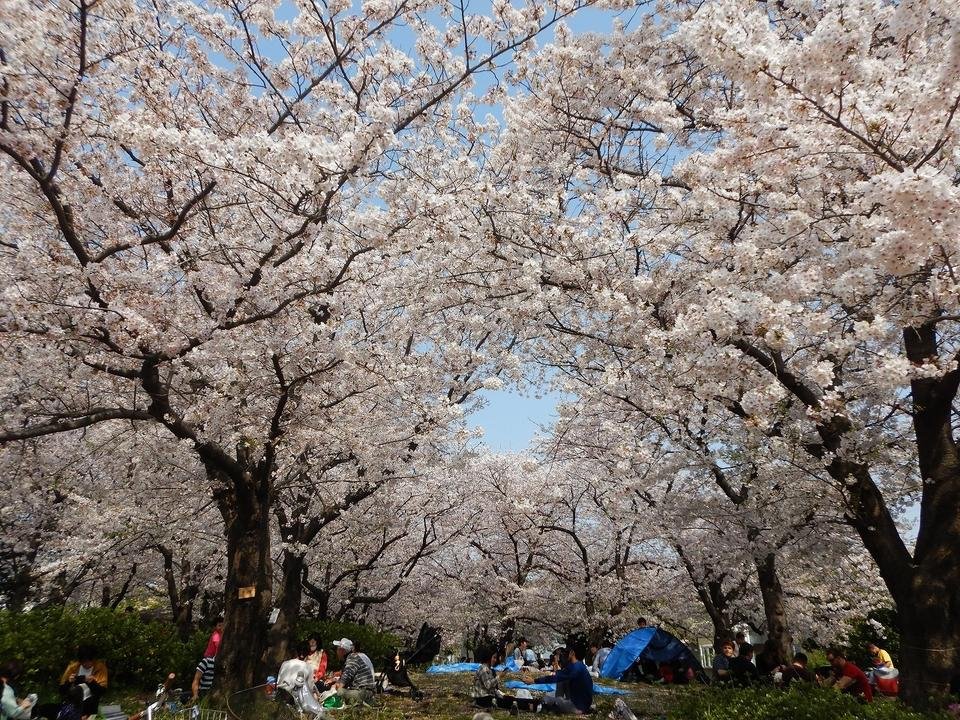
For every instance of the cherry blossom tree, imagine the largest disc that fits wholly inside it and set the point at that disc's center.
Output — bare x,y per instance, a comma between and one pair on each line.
754,208
209,230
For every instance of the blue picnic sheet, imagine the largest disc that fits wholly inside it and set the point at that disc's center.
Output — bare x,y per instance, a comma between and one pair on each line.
452,668
550,687
463,667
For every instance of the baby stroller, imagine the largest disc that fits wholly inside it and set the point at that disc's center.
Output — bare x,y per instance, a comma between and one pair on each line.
396,681
295,681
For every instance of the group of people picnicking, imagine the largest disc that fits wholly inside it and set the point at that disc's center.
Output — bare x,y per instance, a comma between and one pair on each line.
737,664
565,669
306,677
81,686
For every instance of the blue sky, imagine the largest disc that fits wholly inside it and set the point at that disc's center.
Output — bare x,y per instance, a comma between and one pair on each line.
510,418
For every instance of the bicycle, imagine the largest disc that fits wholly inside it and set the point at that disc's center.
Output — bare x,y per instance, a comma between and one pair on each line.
168,705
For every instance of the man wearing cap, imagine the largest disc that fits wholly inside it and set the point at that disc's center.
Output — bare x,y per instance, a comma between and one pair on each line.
356,682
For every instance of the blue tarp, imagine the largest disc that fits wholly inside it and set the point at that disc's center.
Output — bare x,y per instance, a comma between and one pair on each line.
550,687
649,643
453,668
467,667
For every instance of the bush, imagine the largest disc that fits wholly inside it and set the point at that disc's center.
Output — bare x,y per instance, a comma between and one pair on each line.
379,646
798,703
138,653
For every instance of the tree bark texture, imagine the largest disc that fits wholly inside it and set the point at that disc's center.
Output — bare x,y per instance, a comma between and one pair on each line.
248,592
774,607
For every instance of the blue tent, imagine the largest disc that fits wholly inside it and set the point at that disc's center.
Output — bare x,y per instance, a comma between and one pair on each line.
648,643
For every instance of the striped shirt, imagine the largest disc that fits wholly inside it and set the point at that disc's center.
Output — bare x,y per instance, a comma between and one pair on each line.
205,668
357,674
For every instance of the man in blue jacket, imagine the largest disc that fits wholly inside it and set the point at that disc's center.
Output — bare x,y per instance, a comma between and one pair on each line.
576,675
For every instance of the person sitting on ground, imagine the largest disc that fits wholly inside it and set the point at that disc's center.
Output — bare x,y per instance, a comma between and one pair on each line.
850,678
295,677
487,691
486,684
559,659
356,682
203,678
213,644
524,656
665,673
740,639
90,675
744,673
881,661
12,707
825,675
795,671
69,708
683,671
366,658
317,658
600,652
579,688
721,662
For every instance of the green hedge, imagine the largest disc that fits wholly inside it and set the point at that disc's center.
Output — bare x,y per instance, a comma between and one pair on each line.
799,703
379,646
138,653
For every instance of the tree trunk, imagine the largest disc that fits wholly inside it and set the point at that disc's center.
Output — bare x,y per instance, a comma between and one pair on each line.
719,613
774,608
930,634
319,594
248,592
929,602
716,602
281,634
926,584
182,598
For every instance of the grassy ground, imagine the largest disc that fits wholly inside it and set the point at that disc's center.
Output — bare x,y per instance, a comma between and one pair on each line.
447,697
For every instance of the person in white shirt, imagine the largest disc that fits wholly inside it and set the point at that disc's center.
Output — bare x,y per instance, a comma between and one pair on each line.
599,653
524,655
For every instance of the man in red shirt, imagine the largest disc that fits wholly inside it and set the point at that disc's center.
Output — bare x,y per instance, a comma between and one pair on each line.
850,678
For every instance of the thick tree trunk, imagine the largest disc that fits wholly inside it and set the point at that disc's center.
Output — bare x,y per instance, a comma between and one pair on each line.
925,584
930,636
281,636
774,607
929,606
248,592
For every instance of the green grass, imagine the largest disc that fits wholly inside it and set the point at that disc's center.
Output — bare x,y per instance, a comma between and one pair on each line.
447,697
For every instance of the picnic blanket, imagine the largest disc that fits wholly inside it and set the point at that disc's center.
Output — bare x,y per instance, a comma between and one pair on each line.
452,668
463,667
551,687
